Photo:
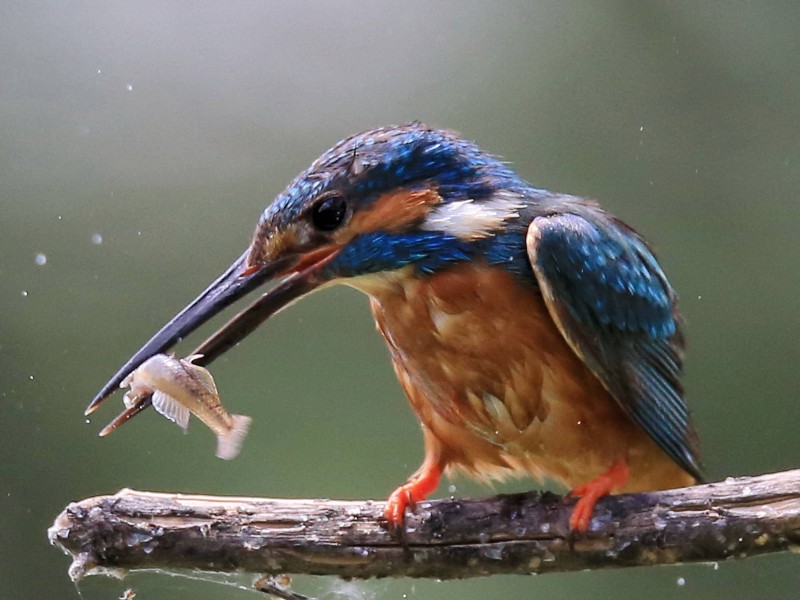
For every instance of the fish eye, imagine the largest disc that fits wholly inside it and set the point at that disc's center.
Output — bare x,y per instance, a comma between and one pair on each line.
329,212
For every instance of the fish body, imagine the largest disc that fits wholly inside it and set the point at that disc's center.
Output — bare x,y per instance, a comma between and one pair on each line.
180,388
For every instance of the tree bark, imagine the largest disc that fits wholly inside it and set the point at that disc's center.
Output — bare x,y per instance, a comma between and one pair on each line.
444,539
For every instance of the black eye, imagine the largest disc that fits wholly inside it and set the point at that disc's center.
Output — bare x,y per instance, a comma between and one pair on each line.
328,213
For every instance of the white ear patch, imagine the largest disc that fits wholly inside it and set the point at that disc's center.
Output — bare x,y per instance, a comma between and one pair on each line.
470,219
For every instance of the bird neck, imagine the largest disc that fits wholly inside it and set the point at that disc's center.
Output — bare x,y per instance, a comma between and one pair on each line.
380,259
381,251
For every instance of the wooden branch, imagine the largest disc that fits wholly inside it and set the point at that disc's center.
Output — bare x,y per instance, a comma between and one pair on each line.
518,533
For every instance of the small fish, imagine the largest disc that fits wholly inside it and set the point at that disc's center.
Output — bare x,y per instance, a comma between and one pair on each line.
180,388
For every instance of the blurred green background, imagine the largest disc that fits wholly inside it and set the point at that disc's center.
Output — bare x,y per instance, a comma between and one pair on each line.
140,141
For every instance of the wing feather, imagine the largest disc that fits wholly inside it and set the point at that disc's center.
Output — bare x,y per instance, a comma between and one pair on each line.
612,302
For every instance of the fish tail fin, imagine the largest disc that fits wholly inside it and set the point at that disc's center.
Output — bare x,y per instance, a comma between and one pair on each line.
229,444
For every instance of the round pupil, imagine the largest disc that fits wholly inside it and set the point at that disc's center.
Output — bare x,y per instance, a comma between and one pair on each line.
328,213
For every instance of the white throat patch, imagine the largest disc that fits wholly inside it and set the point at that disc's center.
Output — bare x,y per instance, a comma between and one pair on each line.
472,220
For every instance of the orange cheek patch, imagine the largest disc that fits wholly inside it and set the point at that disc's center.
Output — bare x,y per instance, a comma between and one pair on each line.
395,210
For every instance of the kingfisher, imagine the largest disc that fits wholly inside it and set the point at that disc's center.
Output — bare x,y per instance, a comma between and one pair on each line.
533,333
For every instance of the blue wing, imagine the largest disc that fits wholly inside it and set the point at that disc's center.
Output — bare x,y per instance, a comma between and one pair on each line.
613,303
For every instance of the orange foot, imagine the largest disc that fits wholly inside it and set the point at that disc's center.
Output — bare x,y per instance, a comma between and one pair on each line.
418,487
591,492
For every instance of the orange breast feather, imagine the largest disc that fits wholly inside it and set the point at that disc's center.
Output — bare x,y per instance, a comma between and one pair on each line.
498,390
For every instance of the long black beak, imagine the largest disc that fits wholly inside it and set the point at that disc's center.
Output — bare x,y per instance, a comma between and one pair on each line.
237,281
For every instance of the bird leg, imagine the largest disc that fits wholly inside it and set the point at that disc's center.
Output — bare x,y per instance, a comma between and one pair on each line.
418,487
591,492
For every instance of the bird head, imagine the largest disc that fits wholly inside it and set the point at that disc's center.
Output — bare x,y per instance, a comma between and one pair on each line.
383,200
389,202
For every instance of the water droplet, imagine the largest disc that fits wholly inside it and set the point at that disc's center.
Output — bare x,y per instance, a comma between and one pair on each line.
451,489
41,259
252,545
681,581
494,552
97,239
129,87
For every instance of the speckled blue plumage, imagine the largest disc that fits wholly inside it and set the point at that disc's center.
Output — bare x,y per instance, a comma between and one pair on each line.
380,251
393,157
429,252
618,309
